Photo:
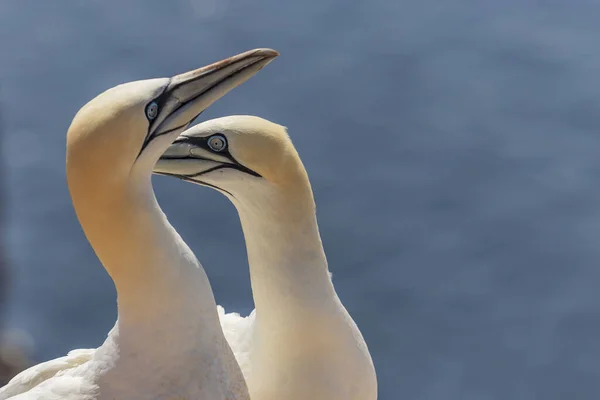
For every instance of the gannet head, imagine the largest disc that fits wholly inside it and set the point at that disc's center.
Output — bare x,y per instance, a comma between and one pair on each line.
124,130
236,155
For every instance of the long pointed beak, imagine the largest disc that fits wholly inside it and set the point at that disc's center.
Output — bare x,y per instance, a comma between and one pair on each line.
190,93
189,157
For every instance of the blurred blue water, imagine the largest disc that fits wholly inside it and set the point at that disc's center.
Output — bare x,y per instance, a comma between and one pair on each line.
453,148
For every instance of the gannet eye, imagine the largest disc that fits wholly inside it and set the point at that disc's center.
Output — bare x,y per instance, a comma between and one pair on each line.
152,110
217,143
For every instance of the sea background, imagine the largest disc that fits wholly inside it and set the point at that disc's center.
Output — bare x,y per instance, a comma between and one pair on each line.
453,148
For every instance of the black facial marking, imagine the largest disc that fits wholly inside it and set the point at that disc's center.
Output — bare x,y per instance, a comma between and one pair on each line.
160,101
162,98
202,142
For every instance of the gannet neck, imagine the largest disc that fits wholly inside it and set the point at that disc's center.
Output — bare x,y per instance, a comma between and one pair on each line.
154,271
167,318
129,233
303,335
288,266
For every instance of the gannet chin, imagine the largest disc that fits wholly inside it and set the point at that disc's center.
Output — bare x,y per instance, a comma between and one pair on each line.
300,342
167,342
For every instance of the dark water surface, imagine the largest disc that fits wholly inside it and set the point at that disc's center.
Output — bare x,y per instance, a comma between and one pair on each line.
453,148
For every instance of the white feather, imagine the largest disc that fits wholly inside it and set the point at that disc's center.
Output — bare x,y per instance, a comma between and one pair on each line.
38,374
238,332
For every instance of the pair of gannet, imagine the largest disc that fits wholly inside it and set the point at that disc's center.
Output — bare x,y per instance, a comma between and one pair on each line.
170,340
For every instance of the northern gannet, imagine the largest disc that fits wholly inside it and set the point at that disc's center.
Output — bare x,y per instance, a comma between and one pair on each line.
300,342
167,342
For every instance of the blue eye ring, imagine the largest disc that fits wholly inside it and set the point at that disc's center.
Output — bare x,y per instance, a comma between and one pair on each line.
217,143
152,110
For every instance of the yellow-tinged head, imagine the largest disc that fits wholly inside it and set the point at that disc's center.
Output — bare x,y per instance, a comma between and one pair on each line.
125,129
235,155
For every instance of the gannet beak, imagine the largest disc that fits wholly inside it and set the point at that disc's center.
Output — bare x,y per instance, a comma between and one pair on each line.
188,95
190,157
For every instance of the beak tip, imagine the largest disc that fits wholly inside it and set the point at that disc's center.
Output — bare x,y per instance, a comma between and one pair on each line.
266,53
